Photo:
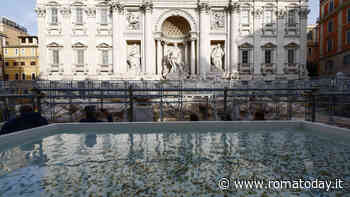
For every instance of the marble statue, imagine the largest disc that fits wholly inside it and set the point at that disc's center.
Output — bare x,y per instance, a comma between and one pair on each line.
134,58
216,55
173,61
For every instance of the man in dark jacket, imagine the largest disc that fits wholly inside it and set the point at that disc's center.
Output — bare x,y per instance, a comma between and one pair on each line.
27,120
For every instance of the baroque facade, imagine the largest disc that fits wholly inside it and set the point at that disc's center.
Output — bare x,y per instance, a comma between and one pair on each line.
166,39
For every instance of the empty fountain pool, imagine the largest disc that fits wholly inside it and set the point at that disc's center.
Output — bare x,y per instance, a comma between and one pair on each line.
172,159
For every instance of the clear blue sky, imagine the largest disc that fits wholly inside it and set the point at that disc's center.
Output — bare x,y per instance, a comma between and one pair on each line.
22,12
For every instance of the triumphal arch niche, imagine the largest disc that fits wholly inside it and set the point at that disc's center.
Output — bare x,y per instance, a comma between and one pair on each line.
175,48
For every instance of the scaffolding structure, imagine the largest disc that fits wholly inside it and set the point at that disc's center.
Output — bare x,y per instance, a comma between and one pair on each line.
314,94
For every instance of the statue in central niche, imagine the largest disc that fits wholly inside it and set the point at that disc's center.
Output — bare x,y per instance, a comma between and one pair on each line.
173,61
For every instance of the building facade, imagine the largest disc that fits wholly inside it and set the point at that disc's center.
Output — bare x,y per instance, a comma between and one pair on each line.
9,32
22,60
166,39
334,37
313,48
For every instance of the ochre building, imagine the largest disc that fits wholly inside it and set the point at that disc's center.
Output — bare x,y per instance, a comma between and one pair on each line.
334,37
21,60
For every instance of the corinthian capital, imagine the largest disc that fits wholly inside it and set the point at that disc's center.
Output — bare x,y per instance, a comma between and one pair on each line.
40,11
303,12
203,7
65,11
234,7
147,6
117,6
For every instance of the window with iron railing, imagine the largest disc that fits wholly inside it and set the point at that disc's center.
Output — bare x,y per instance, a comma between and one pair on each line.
80,57
55,57
54,16
79,19
268,56
291,56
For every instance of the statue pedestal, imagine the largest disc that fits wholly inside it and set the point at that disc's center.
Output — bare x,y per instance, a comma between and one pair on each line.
176,76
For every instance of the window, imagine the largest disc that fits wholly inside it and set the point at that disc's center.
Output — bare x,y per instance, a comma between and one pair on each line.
310,51
105,57
329,44
32,63
79,16
245,17
346,60
33,51
331,5
17,52
104,18
348,37
291,56
6,51
33,76
309,35
6,63
30,40
268,17
23,76
268,56
330,26
23,63
80,55
23,40
245,57
17,76
54,17
23,52
15,63
291,18
6,77
56,57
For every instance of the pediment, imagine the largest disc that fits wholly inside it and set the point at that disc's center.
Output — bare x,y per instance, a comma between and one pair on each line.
52,3
78,45
103,45
269,45
77,3
292,45
54,44
246,45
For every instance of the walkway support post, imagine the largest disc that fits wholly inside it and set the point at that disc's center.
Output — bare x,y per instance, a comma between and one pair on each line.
131,105
313,117
225,100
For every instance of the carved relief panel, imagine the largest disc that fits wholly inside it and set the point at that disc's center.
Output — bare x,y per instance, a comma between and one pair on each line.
217,20
133,18
134,56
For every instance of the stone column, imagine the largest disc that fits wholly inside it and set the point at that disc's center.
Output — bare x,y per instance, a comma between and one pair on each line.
204,42
149,45
193,57
92,60
303,40
44,64
281,56
67,51
159,56
117,34
234,28
186,55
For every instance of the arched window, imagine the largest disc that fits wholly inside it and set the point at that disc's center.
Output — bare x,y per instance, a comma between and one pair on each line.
33,76
17,76
23,76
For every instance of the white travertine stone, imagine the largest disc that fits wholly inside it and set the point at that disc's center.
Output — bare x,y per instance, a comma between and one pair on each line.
199,24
